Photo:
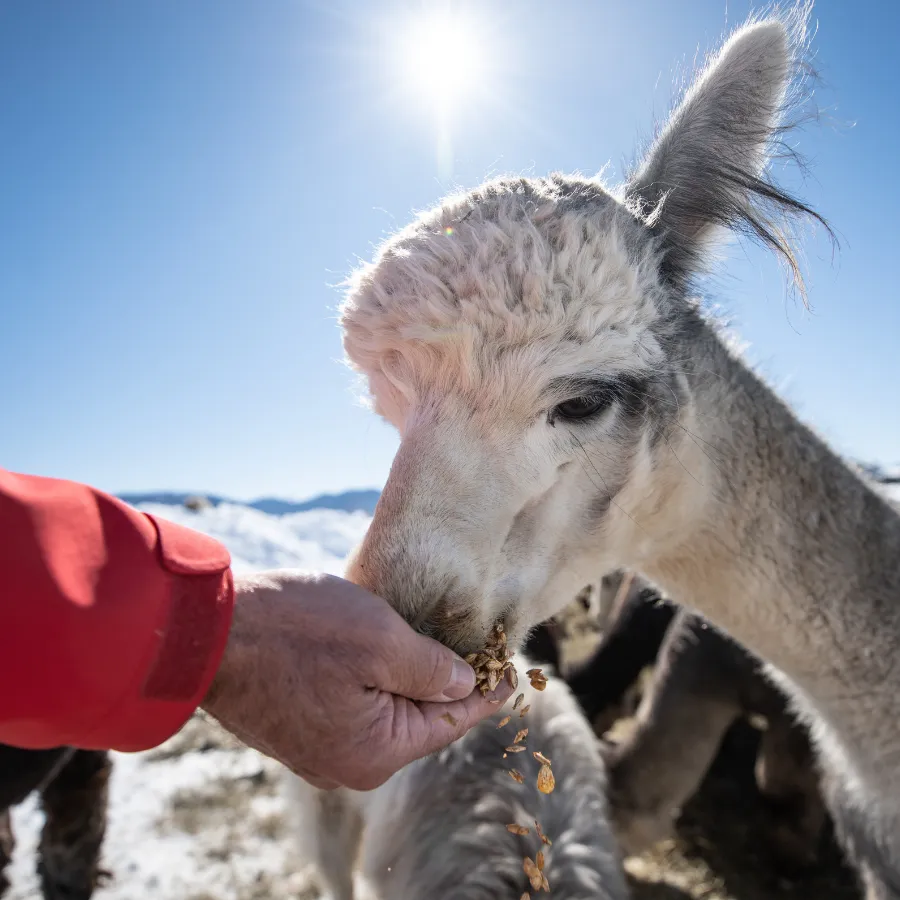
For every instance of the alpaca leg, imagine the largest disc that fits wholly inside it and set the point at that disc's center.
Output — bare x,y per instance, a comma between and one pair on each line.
788,779
329,831
25,771
339,837
637,627
75,805
693,700
7,845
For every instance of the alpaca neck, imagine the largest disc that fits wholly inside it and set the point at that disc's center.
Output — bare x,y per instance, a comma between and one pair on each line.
788,550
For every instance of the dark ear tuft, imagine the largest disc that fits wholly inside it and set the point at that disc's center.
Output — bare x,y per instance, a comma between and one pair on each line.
705,172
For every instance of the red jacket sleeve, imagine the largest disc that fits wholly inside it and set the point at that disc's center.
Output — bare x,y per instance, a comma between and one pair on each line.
113,622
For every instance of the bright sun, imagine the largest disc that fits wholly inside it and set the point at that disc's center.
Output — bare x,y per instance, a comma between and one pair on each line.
442,59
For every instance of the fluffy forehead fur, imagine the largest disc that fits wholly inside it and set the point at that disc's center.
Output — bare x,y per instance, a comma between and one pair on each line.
497,294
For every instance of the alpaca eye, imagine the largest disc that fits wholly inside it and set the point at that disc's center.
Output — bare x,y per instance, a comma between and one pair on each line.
582,407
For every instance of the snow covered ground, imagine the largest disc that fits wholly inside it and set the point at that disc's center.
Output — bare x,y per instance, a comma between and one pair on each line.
202,818
319,539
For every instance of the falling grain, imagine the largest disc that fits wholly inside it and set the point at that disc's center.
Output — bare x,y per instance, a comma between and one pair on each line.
544,839
533,873
545,780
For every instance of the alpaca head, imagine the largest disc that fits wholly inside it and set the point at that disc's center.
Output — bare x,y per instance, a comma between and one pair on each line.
529,342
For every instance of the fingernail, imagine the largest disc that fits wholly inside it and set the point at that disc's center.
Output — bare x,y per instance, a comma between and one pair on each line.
461,683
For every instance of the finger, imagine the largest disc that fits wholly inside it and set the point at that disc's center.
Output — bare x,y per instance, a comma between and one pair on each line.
425,728
421,668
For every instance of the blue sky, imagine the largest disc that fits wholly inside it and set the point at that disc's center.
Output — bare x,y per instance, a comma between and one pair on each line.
182,185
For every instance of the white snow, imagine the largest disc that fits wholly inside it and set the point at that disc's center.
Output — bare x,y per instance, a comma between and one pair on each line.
241,852
319,539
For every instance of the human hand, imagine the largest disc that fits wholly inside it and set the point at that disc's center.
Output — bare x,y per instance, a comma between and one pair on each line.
329,680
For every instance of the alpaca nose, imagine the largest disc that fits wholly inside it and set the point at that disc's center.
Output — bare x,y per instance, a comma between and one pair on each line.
442,604
457,623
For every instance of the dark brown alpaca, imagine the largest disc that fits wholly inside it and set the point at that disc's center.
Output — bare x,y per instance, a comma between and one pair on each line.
74,791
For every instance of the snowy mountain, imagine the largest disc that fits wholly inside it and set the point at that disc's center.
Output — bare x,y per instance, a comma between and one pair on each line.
347,501
318,539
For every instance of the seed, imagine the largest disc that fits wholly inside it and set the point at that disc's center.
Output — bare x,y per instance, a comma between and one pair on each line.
538,679
470,659
545,780
449,719
541,758
494,665
520,736
539,860
512,677
515,748
518,702
544,883
504,721
541,835
525,709
516,775
533,873
518,829
525,896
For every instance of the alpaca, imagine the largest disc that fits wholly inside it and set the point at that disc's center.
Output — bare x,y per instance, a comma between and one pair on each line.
633,629
437,829
565,405
702,683
73,787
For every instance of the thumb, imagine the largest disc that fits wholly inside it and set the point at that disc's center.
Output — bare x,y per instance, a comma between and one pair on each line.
424,669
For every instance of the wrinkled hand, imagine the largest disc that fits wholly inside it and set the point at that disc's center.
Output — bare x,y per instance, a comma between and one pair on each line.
329,680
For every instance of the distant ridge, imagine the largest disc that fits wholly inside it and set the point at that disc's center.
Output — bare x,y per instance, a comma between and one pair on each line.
365,500
348,501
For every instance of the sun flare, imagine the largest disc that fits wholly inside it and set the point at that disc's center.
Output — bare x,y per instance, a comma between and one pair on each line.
442,60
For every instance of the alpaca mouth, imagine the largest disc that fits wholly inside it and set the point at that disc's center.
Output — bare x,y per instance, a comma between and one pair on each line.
462,632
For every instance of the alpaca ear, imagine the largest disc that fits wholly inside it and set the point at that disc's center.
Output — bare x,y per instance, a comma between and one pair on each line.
704,171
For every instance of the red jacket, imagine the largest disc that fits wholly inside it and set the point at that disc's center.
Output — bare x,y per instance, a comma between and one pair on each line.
113,622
